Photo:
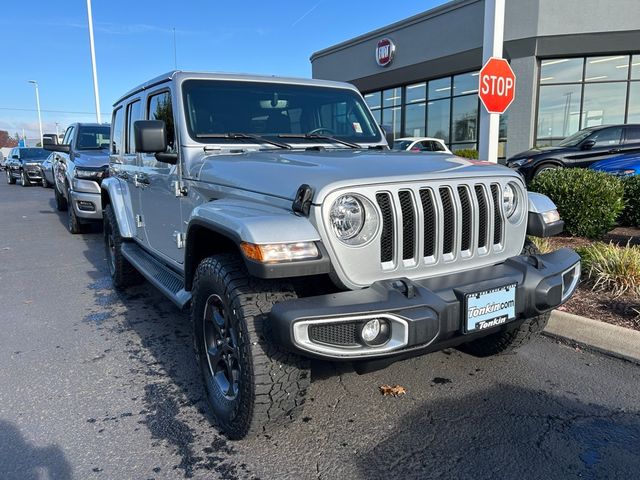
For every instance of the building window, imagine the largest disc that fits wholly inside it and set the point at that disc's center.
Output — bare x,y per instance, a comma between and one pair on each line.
464,119
439,119
414,120
445,108
576,93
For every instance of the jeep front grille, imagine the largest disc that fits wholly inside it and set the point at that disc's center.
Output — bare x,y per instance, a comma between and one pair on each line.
429,228
462,214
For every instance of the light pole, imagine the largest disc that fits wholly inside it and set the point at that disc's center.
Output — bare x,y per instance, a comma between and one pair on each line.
93,62
35,84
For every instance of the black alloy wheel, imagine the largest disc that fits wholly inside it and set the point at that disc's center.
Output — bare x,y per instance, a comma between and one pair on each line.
221,344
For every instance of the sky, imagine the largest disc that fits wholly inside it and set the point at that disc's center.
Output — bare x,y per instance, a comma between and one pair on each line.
134,43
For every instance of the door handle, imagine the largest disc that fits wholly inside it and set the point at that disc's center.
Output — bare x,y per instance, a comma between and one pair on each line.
614,150
140,181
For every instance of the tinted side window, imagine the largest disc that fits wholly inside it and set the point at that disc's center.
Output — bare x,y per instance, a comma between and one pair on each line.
607,137
633,135
133,114
117,125
160,109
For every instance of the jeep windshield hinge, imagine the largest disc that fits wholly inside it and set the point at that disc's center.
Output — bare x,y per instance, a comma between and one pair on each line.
180,189
180,238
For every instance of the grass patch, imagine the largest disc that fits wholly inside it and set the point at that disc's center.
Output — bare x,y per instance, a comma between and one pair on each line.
543,244
611,268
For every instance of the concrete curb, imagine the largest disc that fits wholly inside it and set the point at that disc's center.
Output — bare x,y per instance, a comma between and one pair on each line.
610,339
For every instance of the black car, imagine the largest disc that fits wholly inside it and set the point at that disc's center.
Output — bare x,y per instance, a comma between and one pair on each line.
24,164
581,149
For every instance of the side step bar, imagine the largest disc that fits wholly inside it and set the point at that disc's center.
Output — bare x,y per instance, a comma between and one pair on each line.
159,275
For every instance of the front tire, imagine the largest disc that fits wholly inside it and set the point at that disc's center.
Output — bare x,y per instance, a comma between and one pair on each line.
45,182
61,202
73,222
10,179
545,167
507,341
24,180
251,383
122,273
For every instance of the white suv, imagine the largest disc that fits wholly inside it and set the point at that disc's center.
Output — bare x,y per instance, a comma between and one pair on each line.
420,144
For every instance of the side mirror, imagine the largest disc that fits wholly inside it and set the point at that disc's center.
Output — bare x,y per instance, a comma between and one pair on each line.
388,133
587,145
151,137
62,147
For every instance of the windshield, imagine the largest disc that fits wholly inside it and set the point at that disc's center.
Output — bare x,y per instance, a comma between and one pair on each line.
273,109
39,153
93,137
576,138
401,144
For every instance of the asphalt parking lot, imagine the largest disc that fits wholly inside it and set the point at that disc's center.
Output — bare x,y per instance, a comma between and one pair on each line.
97,384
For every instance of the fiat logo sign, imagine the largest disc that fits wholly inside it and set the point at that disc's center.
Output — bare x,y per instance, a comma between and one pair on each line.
384,52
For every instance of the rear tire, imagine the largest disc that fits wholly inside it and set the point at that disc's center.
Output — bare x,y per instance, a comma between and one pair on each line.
122,273
252,384
10,179
507,341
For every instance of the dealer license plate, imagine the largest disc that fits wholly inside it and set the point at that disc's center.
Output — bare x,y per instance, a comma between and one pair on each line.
490,308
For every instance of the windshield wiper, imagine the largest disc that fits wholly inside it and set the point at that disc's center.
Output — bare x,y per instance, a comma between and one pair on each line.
315,136
246,136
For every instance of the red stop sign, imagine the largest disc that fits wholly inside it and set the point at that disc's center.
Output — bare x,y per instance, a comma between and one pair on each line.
497,85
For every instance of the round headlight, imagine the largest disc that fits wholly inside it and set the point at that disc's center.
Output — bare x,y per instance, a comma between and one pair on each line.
347,217
509,200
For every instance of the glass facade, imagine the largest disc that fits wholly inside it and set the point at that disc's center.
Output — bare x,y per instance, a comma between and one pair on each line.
575,93
445,108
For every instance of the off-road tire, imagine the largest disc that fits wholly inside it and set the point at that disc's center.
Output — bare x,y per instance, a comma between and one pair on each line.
73,222
24,181
272,382
10,179
122,273
507,341
61,202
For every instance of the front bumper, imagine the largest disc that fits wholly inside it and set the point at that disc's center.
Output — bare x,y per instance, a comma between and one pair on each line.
87,206
423,315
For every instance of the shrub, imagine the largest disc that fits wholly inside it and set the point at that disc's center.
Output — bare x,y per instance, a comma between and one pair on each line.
467,153
612,268
631,214
589,202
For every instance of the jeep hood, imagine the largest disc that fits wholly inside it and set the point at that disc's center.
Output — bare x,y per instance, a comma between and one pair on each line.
91,158
281,173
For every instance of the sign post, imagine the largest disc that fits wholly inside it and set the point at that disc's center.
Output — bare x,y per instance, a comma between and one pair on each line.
492,47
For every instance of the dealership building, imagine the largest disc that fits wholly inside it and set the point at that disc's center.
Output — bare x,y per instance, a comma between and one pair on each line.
577,64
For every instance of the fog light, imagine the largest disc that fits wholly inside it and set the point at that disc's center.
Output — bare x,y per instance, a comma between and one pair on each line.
371,330
375,332
570,279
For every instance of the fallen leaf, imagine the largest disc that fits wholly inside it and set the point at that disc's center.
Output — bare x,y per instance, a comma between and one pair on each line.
393,391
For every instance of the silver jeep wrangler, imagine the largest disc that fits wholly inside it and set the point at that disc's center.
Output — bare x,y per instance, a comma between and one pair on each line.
274,209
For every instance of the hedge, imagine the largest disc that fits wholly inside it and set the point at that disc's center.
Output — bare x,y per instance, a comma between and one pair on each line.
589,202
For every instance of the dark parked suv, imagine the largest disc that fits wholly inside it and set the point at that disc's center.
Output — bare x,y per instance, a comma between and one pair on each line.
578,150
24,165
